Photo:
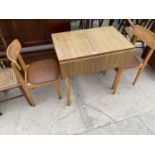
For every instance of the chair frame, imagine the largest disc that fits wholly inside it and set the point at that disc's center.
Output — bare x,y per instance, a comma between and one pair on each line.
143,22
3,59
6,90
147,37
18,64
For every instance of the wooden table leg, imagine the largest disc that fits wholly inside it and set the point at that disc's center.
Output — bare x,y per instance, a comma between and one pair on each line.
117,79
58,89
67,81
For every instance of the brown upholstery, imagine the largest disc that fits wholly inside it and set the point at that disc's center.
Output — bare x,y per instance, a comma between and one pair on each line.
43,71
133,63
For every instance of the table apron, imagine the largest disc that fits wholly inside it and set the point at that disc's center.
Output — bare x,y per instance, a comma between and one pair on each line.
96,63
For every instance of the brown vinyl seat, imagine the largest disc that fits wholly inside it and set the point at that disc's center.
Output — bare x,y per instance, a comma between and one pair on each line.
43,71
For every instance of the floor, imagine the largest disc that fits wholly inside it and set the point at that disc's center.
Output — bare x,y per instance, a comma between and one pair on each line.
94,109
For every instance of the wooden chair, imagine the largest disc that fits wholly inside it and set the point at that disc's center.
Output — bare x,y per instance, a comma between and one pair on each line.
37,74
148,37
8,81
129,25
7,76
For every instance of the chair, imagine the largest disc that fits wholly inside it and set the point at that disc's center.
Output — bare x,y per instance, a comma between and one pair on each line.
8,81
128,27
148,37
37,74
7,76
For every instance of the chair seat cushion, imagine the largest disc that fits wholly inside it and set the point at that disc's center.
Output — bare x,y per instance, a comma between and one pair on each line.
133,63
43,71
7,79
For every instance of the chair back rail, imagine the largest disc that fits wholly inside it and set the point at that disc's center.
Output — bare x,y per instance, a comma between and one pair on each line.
13,54
148,37
145,35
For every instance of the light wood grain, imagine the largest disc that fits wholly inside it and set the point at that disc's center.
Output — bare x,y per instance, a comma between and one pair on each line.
95,63
90,42
91,50
145,35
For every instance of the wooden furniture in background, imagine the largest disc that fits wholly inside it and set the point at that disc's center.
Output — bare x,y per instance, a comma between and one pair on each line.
91,50
147,37
32,32
89,23
37,74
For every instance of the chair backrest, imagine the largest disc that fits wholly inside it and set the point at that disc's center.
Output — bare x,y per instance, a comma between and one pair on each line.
13,54
147,36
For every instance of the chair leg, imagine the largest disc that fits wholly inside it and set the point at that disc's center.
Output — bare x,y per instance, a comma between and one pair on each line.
117,80
28,96
58,89
138,75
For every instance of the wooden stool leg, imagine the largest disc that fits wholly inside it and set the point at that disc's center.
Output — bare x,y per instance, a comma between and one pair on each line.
117,80
138,75
28,95
58,89
67,81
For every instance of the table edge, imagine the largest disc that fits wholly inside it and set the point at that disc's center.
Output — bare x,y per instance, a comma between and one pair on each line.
83,57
